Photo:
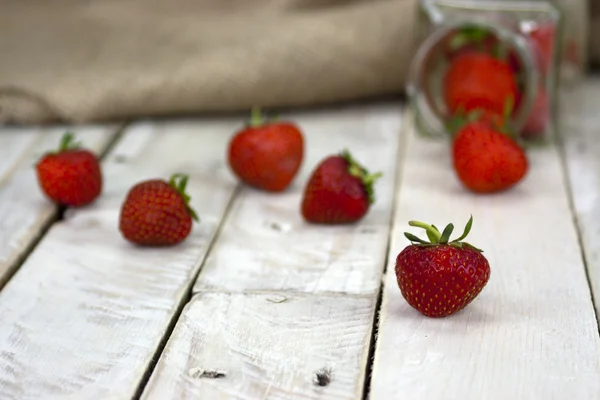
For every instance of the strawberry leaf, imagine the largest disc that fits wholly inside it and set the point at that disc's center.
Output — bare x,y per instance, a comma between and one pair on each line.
357,170
432,237
179,183
413,238
446,234
437,239
466,231
471,246
469,35
67,142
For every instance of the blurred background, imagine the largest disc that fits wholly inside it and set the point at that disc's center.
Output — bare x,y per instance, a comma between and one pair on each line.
82,61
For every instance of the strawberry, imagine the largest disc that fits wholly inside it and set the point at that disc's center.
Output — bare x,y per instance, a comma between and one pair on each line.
572,52
339,191
479,81
487,160
266,154
157,213
542,38
539,116
441,277
70,176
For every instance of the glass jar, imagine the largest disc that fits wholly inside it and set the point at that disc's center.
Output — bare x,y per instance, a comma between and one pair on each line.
486,59
575,40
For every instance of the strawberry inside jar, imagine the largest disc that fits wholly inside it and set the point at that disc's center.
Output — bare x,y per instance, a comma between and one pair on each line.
494,67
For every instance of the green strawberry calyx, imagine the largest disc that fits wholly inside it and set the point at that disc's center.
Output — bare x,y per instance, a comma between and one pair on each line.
357,170
179,183
258,118
469,35
67,142
437,238
461,118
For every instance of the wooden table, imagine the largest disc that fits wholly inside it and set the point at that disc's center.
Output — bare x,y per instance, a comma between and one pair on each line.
257,304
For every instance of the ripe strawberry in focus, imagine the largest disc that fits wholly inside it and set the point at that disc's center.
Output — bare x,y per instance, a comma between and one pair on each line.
487,160
479,81
70,176
266,154
339,191
157,213
440,277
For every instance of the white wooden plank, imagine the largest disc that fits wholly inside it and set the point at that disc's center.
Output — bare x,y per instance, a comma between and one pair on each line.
582,155
24,211
531,334
85,313
267,347
266,244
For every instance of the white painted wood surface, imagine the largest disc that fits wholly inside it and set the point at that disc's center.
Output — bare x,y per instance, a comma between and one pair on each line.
270,344
531,334
24,211
265,243
267,347
581,140
86,312
279,299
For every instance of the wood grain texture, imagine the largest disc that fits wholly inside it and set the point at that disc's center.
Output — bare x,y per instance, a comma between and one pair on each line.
266,346
86,312
581,145
265,243
531,334
24,210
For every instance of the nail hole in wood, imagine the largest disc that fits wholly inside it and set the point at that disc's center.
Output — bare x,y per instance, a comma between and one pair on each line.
322,377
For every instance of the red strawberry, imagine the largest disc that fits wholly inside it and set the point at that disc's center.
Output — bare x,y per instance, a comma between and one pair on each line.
542,38
572,52
339,191
539,117
266,155
441,277
487,160
70,176
479,81
157,213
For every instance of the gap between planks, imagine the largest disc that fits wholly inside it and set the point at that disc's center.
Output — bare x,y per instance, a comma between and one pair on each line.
579,150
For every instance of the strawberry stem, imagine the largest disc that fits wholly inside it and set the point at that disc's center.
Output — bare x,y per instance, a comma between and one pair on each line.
437,238
67,142
179,183
357,170
258,118
433,234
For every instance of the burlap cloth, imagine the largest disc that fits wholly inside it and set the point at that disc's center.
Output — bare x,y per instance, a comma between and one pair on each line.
81,61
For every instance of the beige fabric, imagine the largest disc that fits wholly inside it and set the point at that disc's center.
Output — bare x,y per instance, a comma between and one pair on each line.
91,60
595,32
81,61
